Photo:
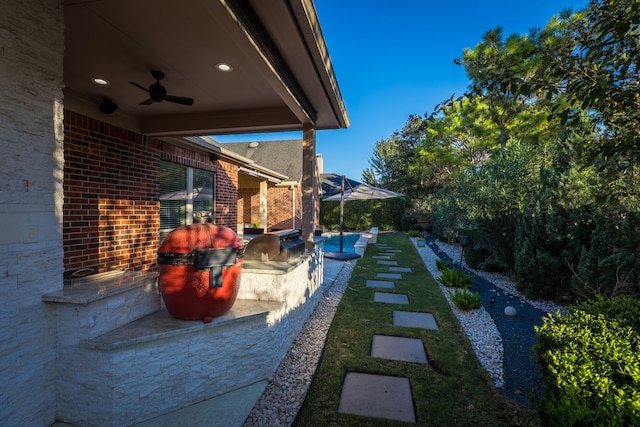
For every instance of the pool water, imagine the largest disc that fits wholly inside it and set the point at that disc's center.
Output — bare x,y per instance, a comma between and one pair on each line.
332,244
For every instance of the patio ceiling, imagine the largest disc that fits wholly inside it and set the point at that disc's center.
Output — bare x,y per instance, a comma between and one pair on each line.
282,78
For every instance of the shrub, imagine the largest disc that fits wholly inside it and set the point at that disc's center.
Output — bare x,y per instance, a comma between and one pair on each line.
449,278
416,227
624,309
442,265
465,300
414,233
406,221
609,266
591,370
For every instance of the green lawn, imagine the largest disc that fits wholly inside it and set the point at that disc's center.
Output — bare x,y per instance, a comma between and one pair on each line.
454,390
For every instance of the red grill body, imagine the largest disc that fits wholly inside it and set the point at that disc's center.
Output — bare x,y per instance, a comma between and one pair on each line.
200,268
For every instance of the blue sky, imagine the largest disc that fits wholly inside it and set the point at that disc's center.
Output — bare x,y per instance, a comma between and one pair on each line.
394,59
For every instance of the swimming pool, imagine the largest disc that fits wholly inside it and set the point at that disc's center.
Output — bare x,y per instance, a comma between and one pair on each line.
332,243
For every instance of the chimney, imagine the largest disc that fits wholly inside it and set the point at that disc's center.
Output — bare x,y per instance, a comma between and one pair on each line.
320,163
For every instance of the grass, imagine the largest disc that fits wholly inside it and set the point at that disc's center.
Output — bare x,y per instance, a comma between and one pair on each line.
453,390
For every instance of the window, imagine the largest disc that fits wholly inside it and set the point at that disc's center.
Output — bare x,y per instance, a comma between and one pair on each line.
186,195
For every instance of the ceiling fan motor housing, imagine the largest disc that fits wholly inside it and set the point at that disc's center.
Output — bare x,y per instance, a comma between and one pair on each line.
157,92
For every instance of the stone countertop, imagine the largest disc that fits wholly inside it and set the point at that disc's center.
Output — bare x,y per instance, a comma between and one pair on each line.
161,324
95,287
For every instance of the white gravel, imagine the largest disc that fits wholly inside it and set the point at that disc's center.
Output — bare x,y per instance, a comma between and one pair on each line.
477,324
285,393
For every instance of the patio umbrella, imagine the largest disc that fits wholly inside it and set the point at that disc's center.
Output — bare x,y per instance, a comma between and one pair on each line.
359,192
363,192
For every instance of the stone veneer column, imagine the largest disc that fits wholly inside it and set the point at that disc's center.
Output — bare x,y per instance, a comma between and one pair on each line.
309,185
31,195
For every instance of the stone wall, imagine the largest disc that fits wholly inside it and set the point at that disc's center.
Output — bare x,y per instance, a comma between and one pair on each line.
31,133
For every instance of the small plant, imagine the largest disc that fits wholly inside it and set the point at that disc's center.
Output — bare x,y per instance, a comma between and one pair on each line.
450,279
256,225
465,300
414,233
442,265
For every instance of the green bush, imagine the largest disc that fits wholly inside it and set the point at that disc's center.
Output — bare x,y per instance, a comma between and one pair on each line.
442,265
623,309
590,369
465,300
450,279
414,233
609,266
363,214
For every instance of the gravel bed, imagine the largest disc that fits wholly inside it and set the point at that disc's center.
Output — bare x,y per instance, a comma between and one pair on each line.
497,291
477,324
286,391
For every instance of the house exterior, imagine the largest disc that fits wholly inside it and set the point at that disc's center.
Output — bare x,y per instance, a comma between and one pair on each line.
82,190
283,200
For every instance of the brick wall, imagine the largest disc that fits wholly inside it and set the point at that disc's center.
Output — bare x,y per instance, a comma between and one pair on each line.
227,195
280,207
111,214
248,205
112,186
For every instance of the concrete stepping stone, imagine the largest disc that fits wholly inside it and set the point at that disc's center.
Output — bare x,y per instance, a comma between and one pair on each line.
398,348
394,251
380,284
389,276
412,319
378,396
381,257
400,269
389,298
383,262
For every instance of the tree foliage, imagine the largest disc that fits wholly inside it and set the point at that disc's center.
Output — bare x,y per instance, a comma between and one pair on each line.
537,162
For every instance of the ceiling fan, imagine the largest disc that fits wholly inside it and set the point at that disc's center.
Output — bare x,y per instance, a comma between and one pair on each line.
158,93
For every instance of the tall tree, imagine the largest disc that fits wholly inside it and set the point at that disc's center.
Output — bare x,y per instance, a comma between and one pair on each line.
603,76
515,80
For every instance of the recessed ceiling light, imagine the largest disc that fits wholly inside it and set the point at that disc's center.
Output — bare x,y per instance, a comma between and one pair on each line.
224,67
100,81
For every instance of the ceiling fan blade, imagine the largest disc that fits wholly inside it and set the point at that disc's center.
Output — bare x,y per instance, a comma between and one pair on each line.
140,86
147,102
179,100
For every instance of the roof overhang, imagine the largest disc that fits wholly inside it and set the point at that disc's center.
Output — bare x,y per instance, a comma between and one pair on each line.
282,78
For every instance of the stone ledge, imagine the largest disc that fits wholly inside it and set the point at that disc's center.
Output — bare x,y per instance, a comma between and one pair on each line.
277,267
161,325
100,286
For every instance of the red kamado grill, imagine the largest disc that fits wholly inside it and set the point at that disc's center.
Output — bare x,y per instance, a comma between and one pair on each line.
200,267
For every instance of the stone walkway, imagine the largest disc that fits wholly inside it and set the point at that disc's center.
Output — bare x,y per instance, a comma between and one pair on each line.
382,396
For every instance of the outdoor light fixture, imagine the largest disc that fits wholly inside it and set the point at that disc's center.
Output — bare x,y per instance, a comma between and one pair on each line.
222,66
108,106
213,157
100,81
463,243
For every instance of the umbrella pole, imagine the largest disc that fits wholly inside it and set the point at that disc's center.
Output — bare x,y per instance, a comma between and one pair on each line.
341,210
